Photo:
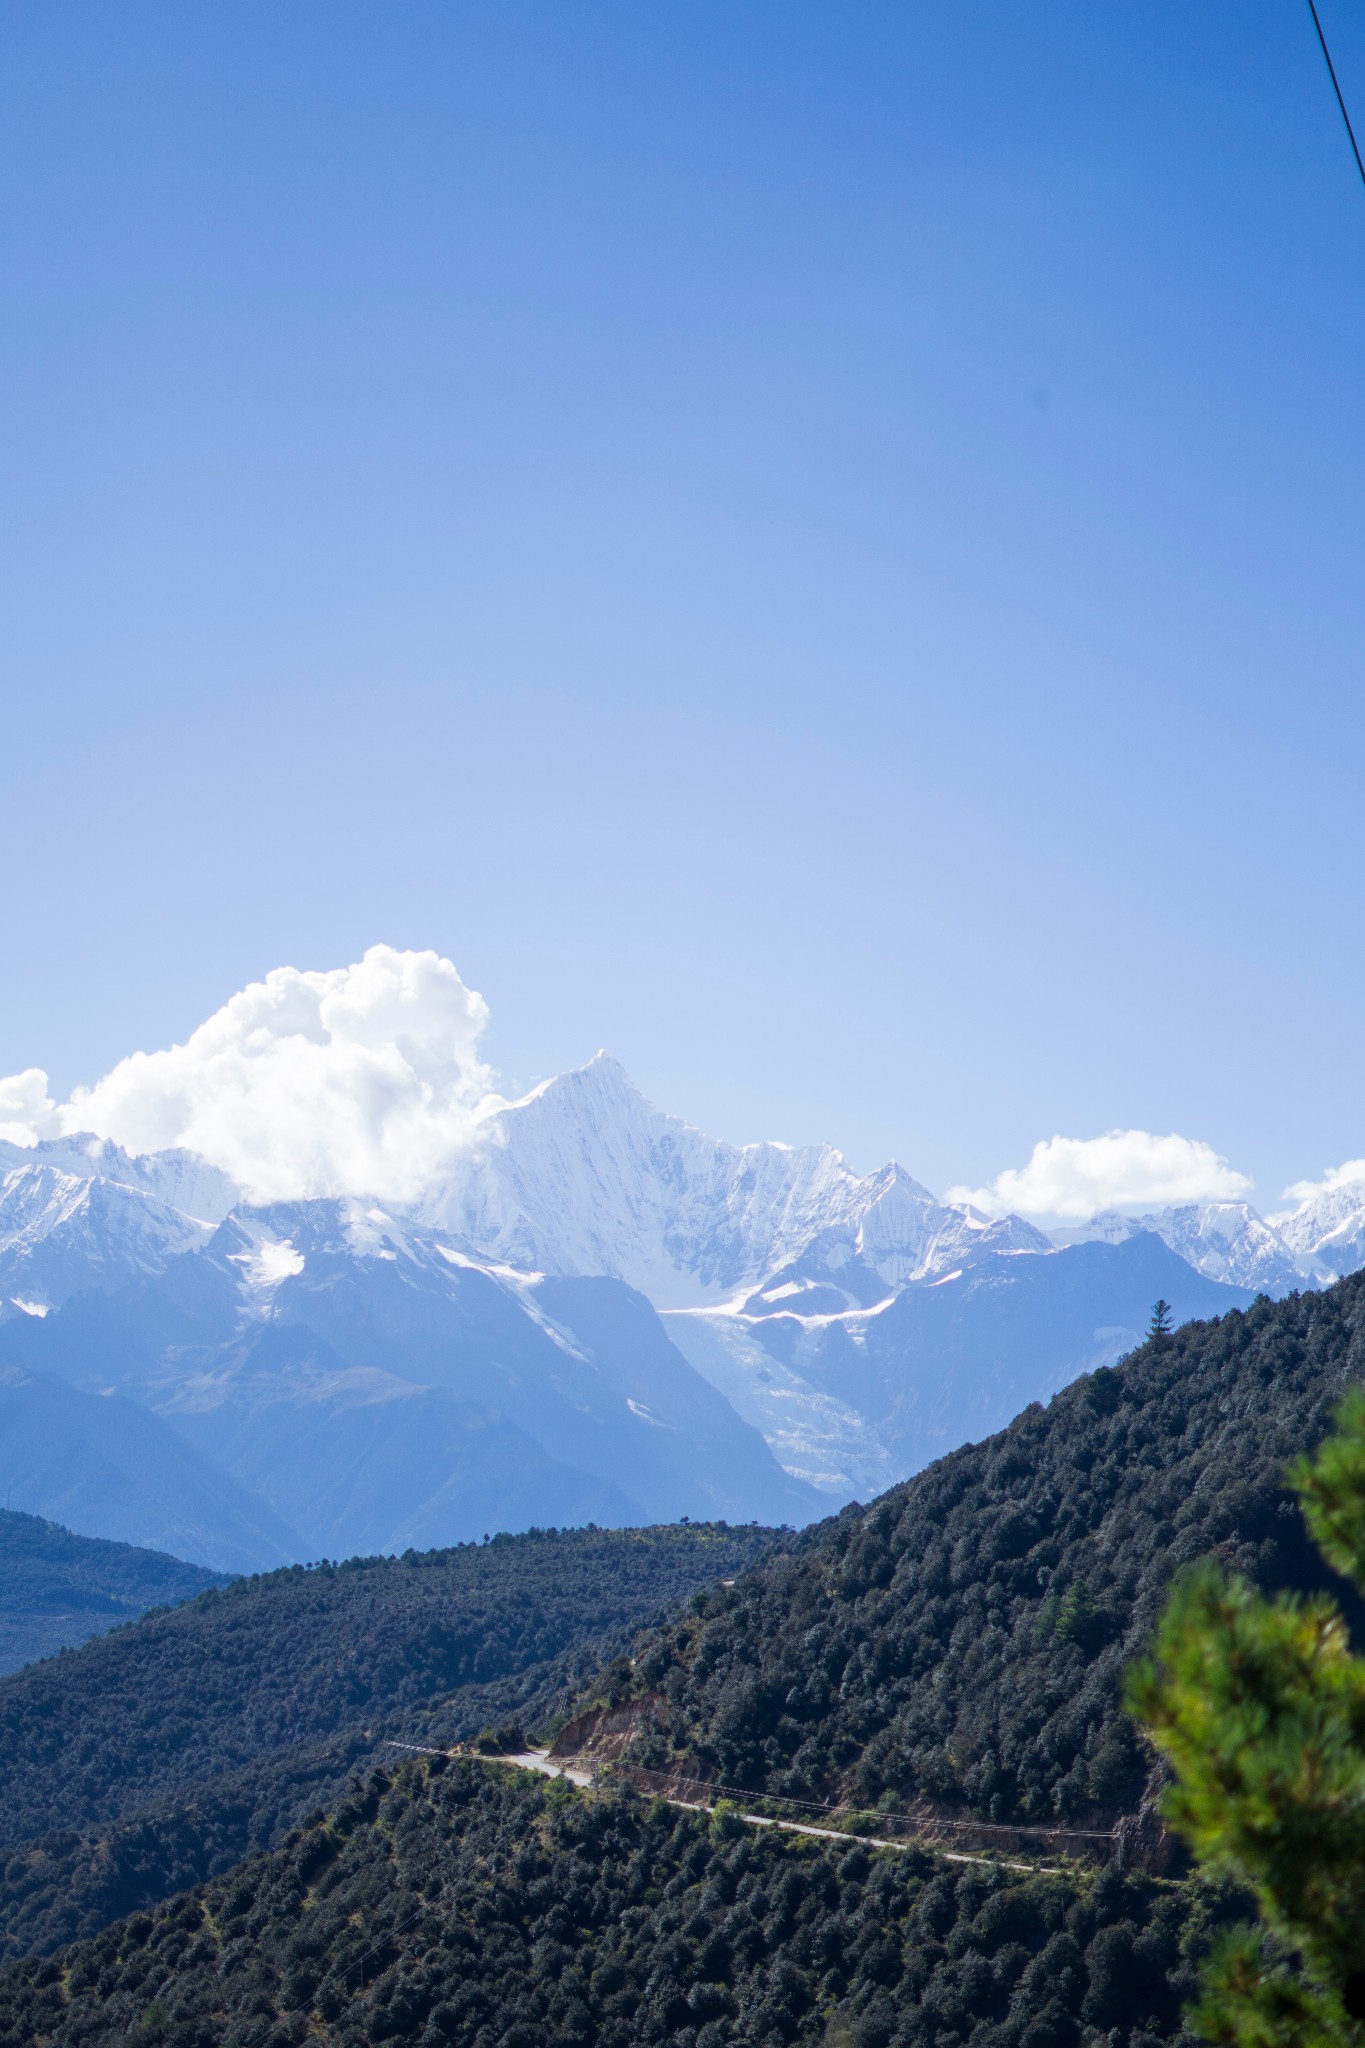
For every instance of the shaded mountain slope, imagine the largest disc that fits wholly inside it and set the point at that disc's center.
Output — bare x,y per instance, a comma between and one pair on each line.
457,1906
861,1400
153,1756
369,1463
375,1389
961,1640
57,1589
75,1454
951,1362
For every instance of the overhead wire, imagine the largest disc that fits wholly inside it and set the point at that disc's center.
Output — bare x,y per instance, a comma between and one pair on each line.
1332,74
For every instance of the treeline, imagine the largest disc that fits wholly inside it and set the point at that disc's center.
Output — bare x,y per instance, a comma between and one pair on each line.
961,1640
457,1908
158,1755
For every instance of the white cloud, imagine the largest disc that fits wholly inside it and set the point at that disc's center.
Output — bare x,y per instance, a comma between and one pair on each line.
27,1111
362,1080
1069,1179
1348,1175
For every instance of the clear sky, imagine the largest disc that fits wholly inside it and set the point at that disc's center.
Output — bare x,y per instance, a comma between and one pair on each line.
818,546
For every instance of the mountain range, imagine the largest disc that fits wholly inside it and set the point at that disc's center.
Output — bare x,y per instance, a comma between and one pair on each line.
599,1314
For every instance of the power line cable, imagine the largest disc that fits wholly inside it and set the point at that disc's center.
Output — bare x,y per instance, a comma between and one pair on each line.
1332,74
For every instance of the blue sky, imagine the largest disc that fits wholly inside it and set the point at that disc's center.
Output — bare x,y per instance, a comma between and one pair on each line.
819,547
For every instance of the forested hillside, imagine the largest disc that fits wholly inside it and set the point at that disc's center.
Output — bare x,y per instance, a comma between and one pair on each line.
961,1640
57,1589
158,1755
457,1906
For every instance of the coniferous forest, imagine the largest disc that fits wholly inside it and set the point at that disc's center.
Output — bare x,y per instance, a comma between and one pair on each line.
463,1906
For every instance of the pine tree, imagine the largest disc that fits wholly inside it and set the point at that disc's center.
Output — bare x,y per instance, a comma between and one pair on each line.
1259,1706
1162,1323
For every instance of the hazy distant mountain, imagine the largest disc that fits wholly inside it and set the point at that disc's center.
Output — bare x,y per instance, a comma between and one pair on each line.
57,1590
107,1466
373,1388
854,1402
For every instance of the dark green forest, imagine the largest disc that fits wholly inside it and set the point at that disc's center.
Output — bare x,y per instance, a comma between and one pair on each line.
158,1755
464,1907
57,1589
961,1640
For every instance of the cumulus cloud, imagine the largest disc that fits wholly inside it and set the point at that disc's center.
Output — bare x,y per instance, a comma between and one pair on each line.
1070,1179
1349,1174
360,1080
27,1111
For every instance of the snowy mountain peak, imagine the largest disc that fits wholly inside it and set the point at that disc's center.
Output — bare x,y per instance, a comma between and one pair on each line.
600,1087
582,1176
181,1179
1327,1230
1227,1241
63,1231
585,1176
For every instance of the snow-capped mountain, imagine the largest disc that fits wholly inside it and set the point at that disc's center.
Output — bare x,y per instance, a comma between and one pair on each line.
1225,1241
70,1220
179,1179
585,1176
1327,1230
853,1401
599,1311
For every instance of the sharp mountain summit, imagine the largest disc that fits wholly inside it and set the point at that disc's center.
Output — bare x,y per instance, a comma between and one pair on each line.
598,1314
